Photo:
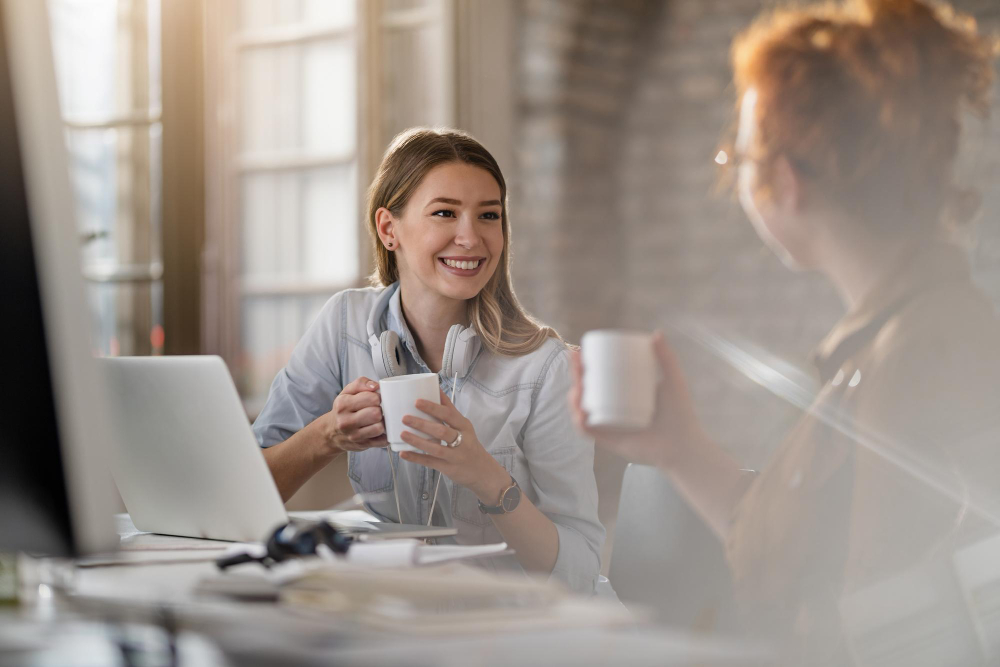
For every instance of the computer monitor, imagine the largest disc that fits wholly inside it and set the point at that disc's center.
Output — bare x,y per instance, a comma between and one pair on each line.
56,493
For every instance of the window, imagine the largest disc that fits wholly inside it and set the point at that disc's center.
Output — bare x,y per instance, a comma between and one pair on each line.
282,234
107,57
299,105
297,100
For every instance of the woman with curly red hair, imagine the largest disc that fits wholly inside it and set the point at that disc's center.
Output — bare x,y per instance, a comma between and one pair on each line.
850,117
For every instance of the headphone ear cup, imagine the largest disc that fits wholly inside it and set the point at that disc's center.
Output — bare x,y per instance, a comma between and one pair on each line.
377,360
277,545
460,350
392,354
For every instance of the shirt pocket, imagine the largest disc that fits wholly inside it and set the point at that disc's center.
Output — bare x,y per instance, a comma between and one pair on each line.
465,505
370,470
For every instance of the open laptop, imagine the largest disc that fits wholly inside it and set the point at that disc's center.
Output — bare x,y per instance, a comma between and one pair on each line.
189,463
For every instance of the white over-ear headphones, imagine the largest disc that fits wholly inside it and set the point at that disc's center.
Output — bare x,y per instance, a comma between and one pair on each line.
460,348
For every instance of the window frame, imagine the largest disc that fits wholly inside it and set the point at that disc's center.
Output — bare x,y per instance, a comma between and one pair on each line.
224,289
146,230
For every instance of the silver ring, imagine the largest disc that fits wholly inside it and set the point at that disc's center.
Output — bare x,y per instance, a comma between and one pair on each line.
457,441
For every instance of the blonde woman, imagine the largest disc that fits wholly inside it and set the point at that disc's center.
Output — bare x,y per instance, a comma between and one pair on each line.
437,214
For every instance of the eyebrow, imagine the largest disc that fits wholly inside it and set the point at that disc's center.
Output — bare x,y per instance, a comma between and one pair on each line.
456,202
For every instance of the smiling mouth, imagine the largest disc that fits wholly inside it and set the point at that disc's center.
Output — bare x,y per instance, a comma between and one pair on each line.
462,265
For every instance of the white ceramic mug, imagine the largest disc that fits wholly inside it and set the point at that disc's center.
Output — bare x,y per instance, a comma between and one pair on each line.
620,374
399,398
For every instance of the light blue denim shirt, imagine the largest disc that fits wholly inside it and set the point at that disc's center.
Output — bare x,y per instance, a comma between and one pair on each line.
518,407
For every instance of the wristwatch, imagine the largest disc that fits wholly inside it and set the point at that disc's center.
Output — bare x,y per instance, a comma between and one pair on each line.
509,500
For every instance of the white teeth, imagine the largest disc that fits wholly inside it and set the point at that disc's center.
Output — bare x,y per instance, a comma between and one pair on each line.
462,265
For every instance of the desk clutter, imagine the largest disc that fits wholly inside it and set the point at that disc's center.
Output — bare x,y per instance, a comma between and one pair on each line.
313,568
310,567
395,602
329,545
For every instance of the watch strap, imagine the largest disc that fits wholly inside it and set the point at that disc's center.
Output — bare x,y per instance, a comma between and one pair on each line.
498,509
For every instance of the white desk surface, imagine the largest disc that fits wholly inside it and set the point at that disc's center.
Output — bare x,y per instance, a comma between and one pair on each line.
267,633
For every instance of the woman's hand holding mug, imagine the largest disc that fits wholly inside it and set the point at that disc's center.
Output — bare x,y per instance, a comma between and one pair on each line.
467,463
673,428
355,422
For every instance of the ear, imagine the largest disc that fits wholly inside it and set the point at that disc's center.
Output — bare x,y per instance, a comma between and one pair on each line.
787,190
385,225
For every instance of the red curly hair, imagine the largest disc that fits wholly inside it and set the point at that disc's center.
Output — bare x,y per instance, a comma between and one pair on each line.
865,100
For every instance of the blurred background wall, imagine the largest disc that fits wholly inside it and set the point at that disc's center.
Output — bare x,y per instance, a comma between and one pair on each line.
221,151
619,218
621,110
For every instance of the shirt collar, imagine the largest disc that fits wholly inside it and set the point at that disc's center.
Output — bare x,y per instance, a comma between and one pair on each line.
917,271
396,322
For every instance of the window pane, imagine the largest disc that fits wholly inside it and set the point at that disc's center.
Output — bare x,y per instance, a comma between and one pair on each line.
116,181
84,39
263,224
301,226
272,326
259,14
96,44
415,78
268,89
299,98
330,221
329,107
332,13
127,318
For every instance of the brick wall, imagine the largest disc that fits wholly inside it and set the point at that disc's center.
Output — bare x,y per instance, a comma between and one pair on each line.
619,112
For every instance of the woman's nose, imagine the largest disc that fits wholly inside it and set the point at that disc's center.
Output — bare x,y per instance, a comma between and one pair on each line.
466,234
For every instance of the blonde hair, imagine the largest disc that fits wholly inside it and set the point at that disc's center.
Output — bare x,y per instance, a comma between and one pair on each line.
496,315
864,97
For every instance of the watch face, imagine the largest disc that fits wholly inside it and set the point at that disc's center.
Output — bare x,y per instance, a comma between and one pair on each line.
511,498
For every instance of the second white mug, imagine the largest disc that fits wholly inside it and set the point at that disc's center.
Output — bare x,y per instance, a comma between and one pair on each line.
620,374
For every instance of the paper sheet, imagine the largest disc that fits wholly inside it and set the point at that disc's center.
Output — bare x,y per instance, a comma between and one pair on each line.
410,553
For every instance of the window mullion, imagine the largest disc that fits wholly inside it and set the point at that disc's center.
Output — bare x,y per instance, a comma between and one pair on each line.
134,119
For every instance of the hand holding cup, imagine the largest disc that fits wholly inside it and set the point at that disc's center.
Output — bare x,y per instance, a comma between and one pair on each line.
630,395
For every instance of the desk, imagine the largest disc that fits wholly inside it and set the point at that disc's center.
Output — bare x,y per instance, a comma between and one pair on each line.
227,632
